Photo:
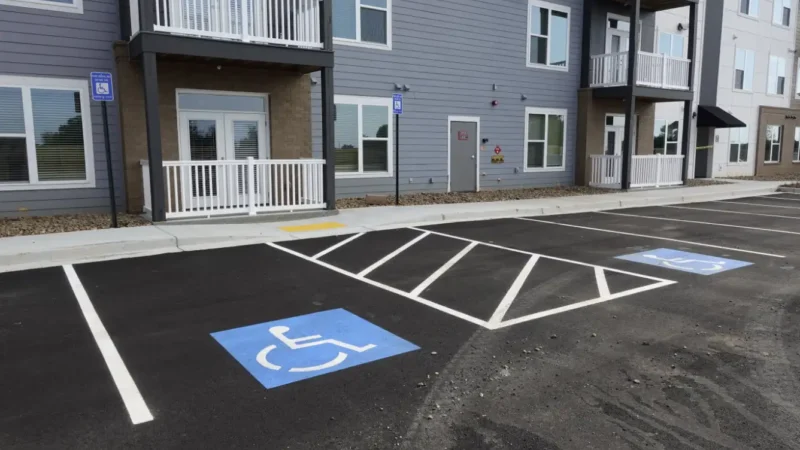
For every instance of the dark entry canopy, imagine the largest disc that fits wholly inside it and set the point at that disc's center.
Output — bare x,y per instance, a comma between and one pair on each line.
714,116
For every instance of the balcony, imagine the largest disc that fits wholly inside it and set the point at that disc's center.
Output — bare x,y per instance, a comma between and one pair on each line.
653,70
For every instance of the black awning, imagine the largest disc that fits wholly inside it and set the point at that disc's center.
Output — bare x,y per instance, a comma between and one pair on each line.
714,116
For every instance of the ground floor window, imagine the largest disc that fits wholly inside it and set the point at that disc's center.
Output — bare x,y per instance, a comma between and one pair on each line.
739,138
362,126
796,152
545,139
666,137
45,134
772,152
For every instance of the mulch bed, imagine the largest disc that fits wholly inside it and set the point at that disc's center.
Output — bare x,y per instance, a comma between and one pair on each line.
26,226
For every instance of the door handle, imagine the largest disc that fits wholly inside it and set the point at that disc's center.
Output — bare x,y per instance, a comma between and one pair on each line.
472,156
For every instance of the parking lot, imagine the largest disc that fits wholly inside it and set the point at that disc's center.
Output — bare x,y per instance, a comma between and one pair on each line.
657,327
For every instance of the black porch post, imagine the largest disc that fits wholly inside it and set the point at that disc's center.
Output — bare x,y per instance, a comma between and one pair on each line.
152,120
687,105
630,99
586,42
328,152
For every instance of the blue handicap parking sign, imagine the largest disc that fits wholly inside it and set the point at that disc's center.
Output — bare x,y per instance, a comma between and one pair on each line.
397,103
102,87
685,261
288,350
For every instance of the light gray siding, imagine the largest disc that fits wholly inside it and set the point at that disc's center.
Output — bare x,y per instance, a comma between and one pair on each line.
36,42
451,52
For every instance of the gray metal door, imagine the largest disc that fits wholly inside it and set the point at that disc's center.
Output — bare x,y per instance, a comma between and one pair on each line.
463,146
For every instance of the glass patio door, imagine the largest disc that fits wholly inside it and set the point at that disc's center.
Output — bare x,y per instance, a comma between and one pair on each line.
246,137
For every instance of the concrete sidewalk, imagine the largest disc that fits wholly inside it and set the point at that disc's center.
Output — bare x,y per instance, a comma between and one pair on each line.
25,252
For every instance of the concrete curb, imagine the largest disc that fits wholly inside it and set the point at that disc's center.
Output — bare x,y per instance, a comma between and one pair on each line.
789,190
35,252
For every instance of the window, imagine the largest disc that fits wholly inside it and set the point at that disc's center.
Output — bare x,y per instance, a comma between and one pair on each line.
781,12
362,126
548,35
743,70
363,22
45,134
796,152
777,75
772,152
670,44
749,7
545,139
666,139
739,142
797,81
70,6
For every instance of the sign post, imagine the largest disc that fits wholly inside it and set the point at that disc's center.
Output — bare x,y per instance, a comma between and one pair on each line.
103,91
397,109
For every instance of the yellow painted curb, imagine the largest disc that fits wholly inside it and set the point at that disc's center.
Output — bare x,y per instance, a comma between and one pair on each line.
313,227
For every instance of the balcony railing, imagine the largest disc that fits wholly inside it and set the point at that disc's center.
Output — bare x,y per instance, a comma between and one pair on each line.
653,70
646,171
278,22
211,188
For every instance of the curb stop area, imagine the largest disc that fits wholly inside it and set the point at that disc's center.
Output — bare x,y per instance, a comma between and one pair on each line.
28,252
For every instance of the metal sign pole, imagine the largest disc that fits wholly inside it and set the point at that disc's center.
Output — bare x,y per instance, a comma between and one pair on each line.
397,159
109,167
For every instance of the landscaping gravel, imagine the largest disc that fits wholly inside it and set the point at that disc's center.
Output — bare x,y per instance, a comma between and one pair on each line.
26,226
783,177
706,182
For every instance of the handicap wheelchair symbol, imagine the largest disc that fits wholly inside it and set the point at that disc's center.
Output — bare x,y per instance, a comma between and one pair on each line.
691,264
295,344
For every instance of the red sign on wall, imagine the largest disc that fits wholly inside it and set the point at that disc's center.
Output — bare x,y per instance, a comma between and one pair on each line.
462,135
497,150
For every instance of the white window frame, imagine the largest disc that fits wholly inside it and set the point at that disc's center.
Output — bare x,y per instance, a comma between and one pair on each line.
739,142
677,143
772,144
672,37
781,4
779,65
551,7
752,10
795,154
76,7
797,80
546,112
361,102
747,52
357,42
26,84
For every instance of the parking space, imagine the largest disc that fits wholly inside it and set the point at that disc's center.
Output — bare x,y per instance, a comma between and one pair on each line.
652,327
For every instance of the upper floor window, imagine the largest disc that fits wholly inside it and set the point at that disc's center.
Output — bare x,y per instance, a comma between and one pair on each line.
71,6
548,35
362,126
743,70
739,139
772,152
749,7
667,137
777,75
545,139
45,134
670,44
781,12
363,22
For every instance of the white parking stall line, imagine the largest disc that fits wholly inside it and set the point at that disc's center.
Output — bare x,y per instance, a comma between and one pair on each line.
579,305
782,196
733,212
131,397
757,204
668,219
554,258
337,245
512,292
441,270
660,238
386,258
385,287
602,284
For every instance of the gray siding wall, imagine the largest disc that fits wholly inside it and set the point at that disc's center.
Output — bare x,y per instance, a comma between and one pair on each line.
451,52
600,15
36,42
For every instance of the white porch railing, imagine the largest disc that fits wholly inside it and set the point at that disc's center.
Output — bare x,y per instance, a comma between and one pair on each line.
281,22
653,70
646,171
211,188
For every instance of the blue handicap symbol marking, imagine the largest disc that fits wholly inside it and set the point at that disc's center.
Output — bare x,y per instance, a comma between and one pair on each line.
685,261
288,350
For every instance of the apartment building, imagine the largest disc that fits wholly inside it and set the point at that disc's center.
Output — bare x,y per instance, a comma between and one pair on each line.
750,54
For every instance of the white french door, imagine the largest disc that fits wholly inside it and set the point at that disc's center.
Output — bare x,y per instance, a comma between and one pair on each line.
214,136
613,142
